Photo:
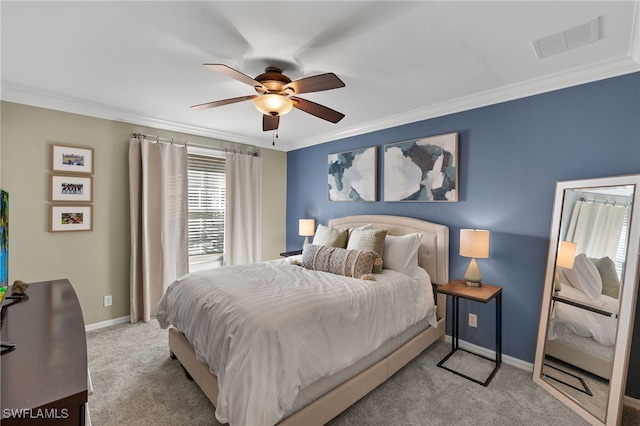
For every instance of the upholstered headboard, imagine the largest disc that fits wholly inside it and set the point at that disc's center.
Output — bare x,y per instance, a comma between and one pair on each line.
433,254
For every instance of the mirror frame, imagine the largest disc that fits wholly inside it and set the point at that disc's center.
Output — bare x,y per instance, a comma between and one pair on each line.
627,298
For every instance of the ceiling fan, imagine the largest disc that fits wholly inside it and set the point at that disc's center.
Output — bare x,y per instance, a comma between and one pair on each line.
276,94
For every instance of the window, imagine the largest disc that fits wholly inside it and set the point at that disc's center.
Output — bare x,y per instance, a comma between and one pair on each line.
621,254
206,208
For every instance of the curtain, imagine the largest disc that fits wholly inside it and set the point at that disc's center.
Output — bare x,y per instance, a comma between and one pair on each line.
243,216
158,213
596,228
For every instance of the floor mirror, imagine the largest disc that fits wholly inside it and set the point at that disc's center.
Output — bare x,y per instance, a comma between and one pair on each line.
588,304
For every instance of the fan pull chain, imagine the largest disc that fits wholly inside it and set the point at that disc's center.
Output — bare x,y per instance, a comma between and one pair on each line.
274,137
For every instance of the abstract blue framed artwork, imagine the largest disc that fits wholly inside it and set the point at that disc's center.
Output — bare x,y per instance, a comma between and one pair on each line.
352,175
423,169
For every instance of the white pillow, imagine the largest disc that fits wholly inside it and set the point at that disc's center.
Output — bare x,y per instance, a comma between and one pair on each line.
585,276
363,227
401,252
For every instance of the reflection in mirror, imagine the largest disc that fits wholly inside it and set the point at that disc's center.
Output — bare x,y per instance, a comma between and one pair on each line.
584,312
587,312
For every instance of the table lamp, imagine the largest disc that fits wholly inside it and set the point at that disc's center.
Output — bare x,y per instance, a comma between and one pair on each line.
565,259
306,228
566,254
474,243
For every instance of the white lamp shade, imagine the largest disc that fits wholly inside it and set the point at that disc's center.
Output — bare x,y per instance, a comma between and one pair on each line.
474,243
566,254
272,104
306,227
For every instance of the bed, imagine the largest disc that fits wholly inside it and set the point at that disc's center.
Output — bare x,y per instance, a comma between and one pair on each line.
583,322
319,395
583,353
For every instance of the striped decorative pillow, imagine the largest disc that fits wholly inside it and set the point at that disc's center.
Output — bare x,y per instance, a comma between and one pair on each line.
339,261
368,239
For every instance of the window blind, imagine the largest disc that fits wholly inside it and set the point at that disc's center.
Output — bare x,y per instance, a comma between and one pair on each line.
621,254
206,205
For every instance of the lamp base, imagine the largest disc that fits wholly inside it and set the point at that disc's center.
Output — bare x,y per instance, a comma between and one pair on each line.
306,242
473,276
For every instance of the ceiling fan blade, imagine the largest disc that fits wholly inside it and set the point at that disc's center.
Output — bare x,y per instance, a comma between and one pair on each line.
235,74
223,102
318,110
355,19
270,122
316,83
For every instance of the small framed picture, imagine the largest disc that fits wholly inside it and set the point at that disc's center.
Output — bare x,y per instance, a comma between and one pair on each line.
71,218
71,159
71,188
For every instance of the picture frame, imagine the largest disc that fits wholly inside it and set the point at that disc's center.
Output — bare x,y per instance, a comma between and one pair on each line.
424,169
71,159
71,188
352,175
4,238
71,217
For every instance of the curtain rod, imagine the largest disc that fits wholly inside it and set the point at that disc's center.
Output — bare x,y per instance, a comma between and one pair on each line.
601,201
187,143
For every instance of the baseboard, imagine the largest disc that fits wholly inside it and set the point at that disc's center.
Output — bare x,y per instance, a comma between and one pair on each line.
87,415
518,363
527,366
631,402
107,323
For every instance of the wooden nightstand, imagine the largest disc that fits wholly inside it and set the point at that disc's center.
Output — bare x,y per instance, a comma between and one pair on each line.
291,253
458,289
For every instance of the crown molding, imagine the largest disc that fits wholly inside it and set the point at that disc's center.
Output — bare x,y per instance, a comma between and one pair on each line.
12,92
17,93
573,77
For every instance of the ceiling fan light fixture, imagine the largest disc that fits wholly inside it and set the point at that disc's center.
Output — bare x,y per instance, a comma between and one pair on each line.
272,104
275,94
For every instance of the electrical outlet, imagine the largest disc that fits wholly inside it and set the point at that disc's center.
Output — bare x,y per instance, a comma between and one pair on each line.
107,301
473,320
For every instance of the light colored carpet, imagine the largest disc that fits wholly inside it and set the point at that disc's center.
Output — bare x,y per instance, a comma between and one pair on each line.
567,378
135,383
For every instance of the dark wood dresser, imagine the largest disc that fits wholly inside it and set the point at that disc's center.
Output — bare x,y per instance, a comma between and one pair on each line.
44,379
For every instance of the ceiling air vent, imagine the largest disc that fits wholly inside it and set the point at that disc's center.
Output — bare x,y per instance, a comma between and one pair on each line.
570,39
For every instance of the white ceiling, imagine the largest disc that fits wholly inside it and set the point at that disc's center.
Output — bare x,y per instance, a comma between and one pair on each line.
141,62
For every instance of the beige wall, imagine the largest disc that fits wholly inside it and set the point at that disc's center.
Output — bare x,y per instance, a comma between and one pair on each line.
96,262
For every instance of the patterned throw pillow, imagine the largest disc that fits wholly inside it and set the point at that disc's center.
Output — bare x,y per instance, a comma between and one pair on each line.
369,239
339,261
331,237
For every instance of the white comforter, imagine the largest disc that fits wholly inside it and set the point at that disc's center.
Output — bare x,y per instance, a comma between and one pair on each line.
571,319
268,329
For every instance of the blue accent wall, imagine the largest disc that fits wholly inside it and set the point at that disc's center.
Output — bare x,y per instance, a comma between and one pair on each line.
510,156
